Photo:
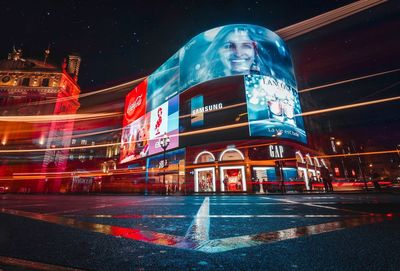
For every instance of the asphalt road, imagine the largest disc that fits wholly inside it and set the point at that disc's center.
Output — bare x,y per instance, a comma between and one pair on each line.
296,232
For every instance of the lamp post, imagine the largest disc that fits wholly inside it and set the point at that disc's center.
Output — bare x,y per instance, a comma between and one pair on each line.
339,144
164,143
361,171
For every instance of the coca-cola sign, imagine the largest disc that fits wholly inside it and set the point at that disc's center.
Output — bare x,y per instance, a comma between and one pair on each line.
135,103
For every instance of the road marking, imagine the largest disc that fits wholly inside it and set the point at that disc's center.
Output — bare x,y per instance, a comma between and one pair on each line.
231,243
197,236
103,206
146,236
318,206
139,216
200,227
34,265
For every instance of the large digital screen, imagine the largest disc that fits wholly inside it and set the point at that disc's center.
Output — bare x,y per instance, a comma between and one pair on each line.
142,137
135,103
164,119
135,140
271,99
213,111
273,108
233,50
163,83
229,50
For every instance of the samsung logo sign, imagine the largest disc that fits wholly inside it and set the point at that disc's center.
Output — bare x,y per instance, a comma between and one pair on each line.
207,108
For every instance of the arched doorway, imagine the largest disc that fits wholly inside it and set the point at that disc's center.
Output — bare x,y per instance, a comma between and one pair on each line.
204,178
233,178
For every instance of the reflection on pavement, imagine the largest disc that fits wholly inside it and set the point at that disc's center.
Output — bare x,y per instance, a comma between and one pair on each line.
197,235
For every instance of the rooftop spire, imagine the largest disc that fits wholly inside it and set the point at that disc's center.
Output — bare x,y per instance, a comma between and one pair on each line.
15,54
46,54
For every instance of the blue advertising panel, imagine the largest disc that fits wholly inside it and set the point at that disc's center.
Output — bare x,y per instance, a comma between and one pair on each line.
273,108
233,50
229,50
197,119
163,84
272,101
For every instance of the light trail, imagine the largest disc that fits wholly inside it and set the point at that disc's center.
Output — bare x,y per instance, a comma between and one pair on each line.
324,19
220,128
348,106
60,149
341,155
241,104
109,89
212,111
285,33
347,81
52,118
138,170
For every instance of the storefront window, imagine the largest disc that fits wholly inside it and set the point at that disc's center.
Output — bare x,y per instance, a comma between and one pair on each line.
205,180
233,179
289,174
171,170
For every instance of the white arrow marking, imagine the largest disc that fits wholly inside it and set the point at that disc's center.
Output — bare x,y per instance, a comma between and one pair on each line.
200,227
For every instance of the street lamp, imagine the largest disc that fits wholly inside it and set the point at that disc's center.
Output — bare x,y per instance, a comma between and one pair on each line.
164,143
339,143
360,168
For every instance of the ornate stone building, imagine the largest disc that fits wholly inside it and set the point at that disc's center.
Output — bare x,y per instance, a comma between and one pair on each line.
32,94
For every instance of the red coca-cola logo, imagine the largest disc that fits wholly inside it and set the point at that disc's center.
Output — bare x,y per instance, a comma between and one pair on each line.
134,104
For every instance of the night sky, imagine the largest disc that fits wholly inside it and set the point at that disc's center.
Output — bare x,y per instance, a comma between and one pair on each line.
124,40
120,40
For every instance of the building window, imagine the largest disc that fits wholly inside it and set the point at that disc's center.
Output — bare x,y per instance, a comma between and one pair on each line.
71,157
73,141
231,154
83,142
204,157
25,81
45,82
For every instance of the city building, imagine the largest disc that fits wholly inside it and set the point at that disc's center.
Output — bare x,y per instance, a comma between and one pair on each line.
221,115
95,143
33,93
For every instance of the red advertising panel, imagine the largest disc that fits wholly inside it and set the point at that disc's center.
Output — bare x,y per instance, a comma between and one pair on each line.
135,103
134,144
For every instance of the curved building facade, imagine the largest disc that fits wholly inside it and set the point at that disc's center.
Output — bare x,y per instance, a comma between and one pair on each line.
221,115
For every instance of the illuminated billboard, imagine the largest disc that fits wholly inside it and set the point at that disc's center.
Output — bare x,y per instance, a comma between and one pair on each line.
135,140
273,108
267,98
163,84
164,119
135,103
229,50
141,137
211,107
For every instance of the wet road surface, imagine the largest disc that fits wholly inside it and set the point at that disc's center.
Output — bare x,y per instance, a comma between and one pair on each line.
296,232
